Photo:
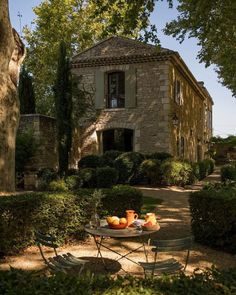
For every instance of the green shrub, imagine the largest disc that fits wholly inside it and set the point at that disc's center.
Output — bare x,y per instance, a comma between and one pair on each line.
176,172
213,212
206,167
57,186
73,182
108,158
121,198
62,214
151,169
45,176
127,165
210,282
90,161
161,156
88,177
106,177
228,172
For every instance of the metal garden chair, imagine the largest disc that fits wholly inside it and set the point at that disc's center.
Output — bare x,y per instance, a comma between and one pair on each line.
171,265
65,263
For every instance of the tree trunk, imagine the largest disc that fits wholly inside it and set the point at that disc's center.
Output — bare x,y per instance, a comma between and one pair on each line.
11,56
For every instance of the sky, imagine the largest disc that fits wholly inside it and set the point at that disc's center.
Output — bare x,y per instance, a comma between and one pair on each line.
224,118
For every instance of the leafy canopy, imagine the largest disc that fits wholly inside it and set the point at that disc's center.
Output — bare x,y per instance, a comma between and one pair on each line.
213,23
80,24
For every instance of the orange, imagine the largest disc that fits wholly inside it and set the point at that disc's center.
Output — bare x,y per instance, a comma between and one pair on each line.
123,220
116,222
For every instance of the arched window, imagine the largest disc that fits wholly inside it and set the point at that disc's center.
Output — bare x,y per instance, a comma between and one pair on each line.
116,90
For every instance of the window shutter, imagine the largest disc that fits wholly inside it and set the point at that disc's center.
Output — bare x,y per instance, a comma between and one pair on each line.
99,94
130,88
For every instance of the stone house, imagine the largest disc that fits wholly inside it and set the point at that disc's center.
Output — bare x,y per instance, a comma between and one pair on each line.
143,98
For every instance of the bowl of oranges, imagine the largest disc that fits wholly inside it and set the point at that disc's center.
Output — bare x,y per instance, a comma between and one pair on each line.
115,222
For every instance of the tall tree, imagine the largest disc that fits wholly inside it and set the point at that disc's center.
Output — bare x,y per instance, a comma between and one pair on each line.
80,23
213,23
11,56
63,103
26,92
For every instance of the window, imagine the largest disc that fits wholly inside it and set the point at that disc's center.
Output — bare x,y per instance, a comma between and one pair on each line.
116,90
178,95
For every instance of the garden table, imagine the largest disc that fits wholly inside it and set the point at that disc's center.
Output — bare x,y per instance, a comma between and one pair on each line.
100,233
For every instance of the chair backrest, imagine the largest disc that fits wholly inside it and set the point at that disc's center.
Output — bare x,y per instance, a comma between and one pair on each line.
45,240
172,245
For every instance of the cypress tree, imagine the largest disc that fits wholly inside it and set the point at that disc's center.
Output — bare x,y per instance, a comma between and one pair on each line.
63,104
26,92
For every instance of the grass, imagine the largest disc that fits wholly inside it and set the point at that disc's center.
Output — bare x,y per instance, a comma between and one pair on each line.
150,205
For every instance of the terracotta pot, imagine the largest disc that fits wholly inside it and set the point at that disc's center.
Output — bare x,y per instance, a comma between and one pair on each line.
131,216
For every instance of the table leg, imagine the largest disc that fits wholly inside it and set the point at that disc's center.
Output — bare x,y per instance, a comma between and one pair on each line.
98,245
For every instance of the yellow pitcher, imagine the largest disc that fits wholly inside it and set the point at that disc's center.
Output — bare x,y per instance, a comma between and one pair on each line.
151,217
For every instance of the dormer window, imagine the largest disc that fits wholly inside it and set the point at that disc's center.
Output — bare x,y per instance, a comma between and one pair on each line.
116,90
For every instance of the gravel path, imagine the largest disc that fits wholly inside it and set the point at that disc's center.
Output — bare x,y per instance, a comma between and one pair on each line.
175,223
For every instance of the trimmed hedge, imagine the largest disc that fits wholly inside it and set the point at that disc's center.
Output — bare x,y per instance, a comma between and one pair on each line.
62,214
211,282
151,168
213,212
106,177
127,164
176,172
120,199
90,161
228,172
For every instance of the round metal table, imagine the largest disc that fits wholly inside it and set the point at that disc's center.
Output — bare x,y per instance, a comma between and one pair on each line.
104,231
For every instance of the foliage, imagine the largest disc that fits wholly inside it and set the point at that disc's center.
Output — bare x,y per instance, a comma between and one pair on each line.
213,24
90,161
26,92
73,182
88,177
176,172
161,156
121,198
210,282
228,172
45,176
213,212
63,103
106,177
108,158
206,167
26,147
127,164
62,214
57,186
151,169
229,140
80,24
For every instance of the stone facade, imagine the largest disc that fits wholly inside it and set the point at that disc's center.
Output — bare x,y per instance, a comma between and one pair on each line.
44,133
150,106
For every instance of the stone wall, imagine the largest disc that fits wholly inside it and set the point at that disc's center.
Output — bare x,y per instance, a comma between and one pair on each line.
44,132
192,119
149,119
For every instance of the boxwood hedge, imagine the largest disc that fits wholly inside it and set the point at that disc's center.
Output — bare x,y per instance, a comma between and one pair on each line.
213,212
62,214
211,282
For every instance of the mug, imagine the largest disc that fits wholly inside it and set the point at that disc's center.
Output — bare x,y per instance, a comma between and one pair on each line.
131,216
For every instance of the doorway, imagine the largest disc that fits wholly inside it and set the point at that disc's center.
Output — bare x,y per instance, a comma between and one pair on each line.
119,139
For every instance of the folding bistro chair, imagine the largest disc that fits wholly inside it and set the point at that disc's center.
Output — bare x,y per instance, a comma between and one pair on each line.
171,265
65,263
